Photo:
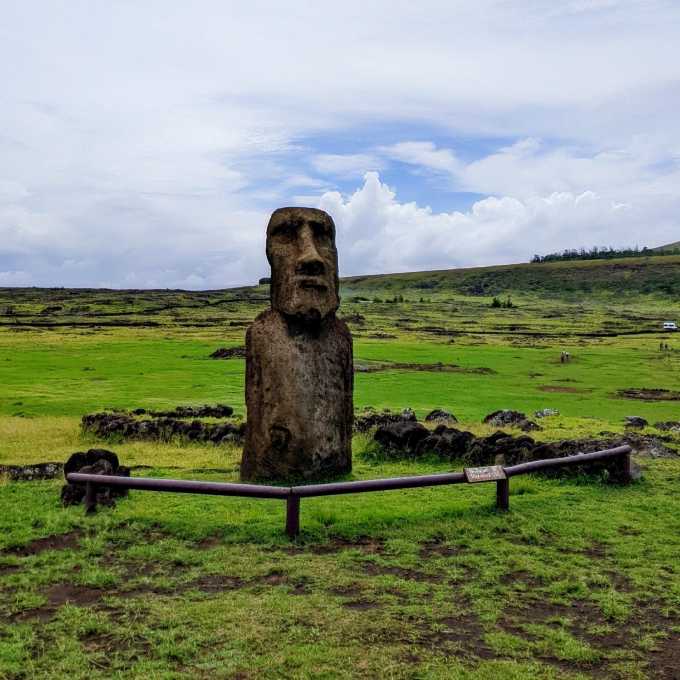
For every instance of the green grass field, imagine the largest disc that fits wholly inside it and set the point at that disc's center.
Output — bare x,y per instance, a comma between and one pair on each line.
578,580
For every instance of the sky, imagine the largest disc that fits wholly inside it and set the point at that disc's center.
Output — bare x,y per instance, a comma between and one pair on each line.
144,144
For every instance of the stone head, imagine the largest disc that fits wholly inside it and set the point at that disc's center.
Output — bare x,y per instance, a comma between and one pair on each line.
304,260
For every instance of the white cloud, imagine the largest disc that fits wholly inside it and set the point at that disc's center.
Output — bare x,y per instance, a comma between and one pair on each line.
345,165
376,233
423,154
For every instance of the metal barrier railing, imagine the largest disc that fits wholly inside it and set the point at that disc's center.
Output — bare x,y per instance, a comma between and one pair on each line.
495,473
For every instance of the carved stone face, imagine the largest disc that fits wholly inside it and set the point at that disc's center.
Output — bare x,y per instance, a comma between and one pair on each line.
304,260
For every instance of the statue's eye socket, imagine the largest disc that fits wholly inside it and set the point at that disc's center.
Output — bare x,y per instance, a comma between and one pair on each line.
321,231
284,231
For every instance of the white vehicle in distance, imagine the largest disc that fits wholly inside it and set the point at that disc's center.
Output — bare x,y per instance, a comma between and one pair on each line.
670,326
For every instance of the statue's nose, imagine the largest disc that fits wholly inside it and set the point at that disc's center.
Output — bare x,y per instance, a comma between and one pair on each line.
309,260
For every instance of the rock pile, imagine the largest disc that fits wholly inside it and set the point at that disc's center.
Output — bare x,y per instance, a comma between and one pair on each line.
216,411
127,426
409,439
94,462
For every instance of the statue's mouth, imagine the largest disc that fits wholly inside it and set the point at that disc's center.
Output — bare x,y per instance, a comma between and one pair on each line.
312,283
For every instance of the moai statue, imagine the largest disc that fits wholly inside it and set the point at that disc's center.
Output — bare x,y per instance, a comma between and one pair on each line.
299,370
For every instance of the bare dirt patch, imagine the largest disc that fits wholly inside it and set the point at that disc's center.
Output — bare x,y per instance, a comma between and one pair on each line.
59,595
209,542
216,583
361,604
352,590
437,548
55,542
373,569
366,544
597,551
436,368
649,394
521,578
664,662
585,621
561,389
462,631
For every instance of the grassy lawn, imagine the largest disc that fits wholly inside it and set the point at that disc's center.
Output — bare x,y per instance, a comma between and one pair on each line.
578,580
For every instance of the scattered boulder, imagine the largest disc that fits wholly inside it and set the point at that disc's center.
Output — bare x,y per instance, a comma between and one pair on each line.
229,353
635,421
508,418
95,462
546,413
80,459
440,416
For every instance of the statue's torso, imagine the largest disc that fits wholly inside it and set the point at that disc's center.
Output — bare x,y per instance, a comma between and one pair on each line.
299,399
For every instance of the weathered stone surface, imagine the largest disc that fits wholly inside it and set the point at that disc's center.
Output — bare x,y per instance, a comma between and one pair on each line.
299,372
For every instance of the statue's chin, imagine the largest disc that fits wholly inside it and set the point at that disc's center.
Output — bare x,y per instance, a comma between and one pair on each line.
307,307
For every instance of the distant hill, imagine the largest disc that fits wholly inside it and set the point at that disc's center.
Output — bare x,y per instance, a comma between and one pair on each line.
658,276
668,246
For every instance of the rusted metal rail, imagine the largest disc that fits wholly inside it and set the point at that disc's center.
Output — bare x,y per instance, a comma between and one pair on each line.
292,495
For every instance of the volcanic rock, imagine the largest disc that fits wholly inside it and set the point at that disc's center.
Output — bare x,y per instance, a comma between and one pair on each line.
439,416
95,462
371,418
510,418
229,353
403,435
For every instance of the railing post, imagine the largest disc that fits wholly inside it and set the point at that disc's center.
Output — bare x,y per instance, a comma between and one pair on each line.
503,494
626,465
292,516
90,498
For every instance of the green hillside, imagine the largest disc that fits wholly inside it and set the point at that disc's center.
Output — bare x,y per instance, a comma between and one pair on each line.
659,276
668,246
